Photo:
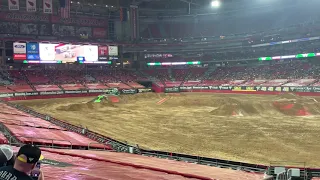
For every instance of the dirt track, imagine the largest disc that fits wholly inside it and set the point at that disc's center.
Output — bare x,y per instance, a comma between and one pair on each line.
248,128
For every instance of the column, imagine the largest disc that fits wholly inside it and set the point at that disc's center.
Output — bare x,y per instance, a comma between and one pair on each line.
134,21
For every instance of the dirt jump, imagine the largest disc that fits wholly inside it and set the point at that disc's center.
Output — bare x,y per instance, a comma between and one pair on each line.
247,128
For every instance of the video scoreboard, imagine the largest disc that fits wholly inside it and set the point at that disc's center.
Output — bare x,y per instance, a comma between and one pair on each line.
34,52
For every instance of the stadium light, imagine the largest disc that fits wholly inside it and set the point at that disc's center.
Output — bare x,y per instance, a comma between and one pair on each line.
215,3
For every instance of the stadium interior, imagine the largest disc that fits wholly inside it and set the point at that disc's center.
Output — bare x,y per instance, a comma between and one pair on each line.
163,89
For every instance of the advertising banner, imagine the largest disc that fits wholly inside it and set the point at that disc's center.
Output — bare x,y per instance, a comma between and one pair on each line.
31,5
172,90
4,95
26,94
103,52
47,6
19,48
19,51
51,92
128,91
144,90
13,5
113,50
99,32
33,51
68,52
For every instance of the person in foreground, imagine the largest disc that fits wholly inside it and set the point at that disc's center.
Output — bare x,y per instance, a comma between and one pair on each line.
25,162
6,155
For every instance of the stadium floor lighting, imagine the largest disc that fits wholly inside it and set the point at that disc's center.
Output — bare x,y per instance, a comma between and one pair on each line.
215,3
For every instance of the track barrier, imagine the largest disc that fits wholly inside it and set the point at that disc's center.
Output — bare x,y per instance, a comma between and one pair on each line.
114,99
162,101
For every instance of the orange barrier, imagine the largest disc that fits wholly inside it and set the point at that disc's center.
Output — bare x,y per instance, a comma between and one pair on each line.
114,99
162,101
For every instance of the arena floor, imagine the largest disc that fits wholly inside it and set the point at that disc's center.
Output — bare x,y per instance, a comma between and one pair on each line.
249,128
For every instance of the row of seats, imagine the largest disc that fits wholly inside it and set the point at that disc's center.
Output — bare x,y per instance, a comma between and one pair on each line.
241,24
288,73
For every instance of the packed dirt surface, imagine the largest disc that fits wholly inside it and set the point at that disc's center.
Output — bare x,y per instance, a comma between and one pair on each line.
249,128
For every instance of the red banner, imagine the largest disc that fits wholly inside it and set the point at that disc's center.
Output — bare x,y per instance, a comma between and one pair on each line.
103,51
29,17
99,32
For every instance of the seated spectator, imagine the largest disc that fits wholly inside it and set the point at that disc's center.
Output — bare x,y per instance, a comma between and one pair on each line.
25,162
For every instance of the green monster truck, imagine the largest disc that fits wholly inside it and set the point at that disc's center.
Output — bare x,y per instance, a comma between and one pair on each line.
113,92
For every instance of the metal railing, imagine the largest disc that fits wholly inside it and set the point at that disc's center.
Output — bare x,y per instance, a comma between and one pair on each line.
37,142
96,148
15,120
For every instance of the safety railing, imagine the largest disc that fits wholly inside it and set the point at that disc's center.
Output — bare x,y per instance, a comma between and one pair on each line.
97,148
21,123
52,141
15,114
206,161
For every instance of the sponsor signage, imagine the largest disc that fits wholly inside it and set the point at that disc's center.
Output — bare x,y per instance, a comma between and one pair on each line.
26,94
31,5
6,95
81,21
51,92
19,48
171,89
122,91
75,91
13,5
128,91
37,18
103,52
47,6
255,88
19,51
99,32
144,90
19,56
113,50
33,51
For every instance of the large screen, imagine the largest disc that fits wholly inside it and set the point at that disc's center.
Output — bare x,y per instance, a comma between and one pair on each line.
34,52
68,52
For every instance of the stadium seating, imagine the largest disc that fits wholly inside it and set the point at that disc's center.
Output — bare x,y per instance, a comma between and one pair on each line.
97,86
50,87
20,88
72,86
36,77
17,76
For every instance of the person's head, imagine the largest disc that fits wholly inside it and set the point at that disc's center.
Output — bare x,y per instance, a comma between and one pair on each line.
6,154
27,157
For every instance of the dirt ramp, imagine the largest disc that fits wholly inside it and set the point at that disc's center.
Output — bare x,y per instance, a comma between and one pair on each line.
191,101
236,109
288,96
87,106
139,96
300,107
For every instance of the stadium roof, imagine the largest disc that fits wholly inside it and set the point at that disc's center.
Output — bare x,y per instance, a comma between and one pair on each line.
152,4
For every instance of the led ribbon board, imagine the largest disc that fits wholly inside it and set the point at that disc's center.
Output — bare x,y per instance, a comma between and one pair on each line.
298,56
173,63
